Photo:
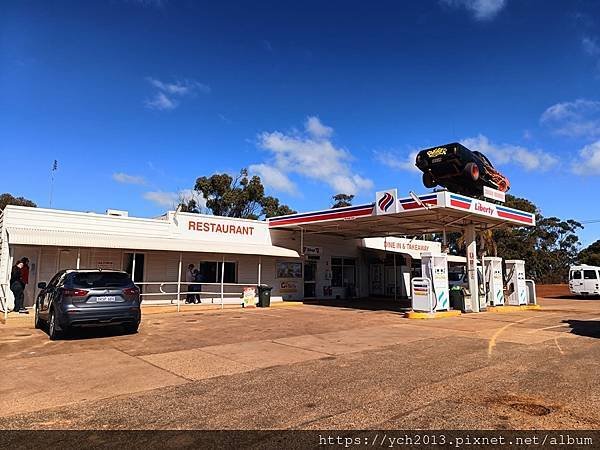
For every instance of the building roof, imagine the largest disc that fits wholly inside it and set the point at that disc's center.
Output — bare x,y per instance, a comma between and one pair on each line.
180,232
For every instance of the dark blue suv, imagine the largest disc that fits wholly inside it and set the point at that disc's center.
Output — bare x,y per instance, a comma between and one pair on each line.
83,298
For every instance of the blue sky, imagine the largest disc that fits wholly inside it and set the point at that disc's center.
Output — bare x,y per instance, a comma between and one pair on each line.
135,99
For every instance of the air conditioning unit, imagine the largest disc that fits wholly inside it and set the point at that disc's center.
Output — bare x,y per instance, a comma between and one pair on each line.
117,213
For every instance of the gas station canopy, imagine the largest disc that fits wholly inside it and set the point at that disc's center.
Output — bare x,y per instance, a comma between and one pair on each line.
438,212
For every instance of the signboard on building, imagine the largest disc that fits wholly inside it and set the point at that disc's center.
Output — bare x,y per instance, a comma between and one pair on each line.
289,270
223,229
288,287
411,247
483,208
386,202
494,194
105,265
312,251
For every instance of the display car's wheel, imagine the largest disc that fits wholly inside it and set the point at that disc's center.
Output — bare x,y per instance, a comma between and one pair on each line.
37,321
472,171
428,180
53,332
502,186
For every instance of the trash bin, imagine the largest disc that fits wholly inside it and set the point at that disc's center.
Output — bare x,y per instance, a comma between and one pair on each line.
264,296
457,298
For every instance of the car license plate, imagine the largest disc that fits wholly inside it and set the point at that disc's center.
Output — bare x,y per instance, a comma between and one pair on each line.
436,160
106,299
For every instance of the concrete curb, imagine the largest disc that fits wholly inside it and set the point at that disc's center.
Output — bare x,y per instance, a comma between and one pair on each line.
436,315
286,304
511,308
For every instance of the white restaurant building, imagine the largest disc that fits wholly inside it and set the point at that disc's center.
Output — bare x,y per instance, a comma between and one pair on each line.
334,253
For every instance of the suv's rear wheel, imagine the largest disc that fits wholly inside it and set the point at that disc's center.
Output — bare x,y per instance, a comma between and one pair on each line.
472,171
37,321
428,180
53,332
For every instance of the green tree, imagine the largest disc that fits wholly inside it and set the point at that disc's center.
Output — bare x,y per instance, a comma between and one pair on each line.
7,199
242,196
272,208
341,200
590,255
548,248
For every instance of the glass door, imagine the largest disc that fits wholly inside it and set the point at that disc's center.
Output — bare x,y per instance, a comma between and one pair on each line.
310,279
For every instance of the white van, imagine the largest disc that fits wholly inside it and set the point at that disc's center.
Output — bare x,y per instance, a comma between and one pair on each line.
584,280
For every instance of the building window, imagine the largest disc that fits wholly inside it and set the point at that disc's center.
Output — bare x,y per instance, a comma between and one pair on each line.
211,272
343,272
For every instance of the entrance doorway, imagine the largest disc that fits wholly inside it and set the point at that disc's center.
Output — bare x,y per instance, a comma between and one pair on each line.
310,279
376,279
33,255
139,266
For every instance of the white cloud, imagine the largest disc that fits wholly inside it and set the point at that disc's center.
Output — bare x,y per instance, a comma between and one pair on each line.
481,9
590,45
172,199
161,102
501,154
122,177
316,129
166,94
167,199
313,155
589,160
580,118
396,161
273,177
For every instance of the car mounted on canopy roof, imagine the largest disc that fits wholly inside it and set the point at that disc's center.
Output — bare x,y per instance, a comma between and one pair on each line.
459,169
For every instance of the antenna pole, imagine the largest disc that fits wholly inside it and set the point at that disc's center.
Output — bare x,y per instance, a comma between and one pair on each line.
54,169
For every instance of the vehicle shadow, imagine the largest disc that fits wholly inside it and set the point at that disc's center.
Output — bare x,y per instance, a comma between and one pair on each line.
587,328
84,333
367,304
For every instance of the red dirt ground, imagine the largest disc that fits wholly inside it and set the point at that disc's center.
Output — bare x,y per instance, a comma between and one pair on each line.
552,290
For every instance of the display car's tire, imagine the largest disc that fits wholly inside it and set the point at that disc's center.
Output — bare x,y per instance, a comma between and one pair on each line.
428,180
131,328
37,321
53,332
502,186
472,171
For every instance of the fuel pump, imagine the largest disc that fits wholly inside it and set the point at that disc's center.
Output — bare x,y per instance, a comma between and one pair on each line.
435,267
517,288
493,281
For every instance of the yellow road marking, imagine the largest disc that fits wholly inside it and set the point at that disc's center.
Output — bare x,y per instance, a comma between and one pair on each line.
492,342
558,346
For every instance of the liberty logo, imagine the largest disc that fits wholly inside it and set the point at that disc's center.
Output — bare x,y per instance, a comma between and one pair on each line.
386,202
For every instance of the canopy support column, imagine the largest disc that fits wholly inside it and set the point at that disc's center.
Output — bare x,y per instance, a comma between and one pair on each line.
259,269
470,242
395,279
179,280
222,278
78,258
133,268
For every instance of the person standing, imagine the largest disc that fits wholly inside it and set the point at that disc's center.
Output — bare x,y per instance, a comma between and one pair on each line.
189,279
17,285
198,279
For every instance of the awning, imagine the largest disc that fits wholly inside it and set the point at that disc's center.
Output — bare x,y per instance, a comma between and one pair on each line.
439,212
31,236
